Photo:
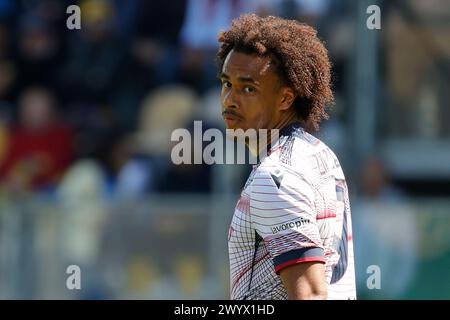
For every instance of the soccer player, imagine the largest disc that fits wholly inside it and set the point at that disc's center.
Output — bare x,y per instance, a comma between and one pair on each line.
290,236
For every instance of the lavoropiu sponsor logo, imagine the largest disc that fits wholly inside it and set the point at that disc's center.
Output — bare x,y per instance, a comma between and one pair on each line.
290,225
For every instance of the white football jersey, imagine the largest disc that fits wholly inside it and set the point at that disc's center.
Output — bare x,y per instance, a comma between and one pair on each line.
294,208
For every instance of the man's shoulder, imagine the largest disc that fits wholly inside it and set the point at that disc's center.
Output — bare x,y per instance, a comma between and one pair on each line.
301,154
297,149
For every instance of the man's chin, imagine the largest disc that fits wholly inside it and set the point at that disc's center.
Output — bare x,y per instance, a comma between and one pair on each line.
233,125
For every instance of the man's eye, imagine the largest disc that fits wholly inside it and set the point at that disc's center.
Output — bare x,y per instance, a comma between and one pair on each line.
226,84
249,89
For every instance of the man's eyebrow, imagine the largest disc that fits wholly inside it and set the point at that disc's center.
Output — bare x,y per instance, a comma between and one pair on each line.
240,79
248,79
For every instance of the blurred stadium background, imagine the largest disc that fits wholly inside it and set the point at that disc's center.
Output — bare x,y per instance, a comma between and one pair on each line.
85,123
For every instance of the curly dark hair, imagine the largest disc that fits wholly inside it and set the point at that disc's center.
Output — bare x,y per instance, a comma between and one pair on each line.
300,57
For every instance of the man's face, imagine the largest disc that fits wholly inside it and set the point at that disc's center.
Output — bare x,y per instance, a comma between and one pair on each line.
36,109
250,92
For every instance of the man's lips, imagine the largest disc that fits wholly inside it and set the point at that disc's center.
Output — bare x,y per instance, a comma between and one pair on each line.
231,118
227,115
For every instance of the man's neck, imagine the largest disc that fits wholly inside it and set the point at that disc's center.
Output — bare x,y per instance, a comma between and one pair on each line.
264,145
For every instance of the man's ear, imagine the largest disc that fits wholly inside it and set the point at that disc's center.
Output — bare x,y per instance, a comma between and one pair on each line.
287,98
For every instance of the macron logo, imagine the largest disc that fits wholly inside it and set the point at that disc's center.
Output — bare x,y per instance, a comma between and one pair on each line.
277,176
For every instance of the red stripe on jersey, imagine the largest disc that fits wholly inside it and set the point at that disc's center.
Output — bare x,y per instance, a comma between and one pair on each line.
326,216
300,260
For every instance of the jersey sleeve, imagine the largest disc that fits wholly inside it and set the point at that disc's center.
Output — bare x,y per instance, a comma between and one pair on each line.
283,214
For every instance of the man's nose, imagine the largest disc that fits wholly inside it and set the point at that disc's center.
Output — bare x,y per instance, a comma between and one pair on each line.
230,99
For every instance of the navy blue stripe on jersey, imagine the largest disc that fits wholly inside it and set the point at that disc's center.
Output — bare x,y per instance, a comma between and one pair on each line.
298,255
291,129
340,193
341,266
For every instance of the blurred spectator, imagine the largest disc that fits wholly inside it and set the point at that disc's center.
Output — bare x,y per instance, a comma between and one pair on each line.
82,191
165,109
39,50
308,11
134,176
129,172
152,138
83,203
8,10
187,178
379,214
376,183
40,146
82,185
153,48
8,76
153,55
203,21
5,40
3,140
417,52
94,55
